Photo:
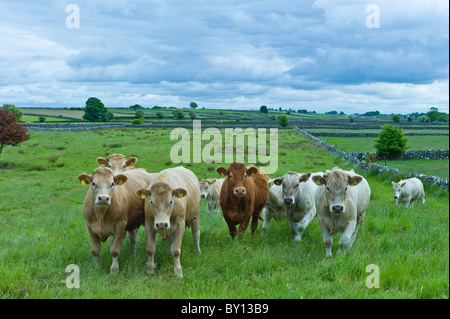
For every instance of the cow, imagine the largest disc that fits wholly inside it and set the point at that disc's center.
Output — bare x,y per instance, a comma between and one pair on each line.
242,197
172,202
341,202
274,206
118,163
297,193
111,208
407,191
210,189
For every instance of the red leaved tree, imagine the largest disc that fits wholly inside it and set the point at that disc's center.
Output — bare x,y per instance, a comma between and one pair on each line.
11,133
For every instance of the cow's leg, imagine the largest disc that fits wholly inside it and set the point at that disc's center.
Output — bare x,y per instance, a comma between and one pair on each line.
346,238
244,224
115,247
132,238
150,238
208,207
309,216
196,235
254,224
231,226
267,215
95,246
294,229
176,249
327,239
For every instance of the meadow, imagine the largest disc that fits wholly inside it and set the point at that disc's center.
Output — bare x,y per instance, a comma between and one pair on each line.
43,231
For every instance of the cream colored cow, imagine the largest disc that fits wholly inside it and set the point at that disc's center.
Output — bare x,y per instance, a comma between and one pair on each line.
210,190
118,163
172,202
341,201
407,191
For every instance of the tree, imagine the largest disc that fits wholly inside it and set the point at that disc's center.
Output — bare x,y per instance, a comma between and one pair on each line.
263,109
136,107
283,121
433,114
14,109
11,133
390,143
41,119
192,115
193,105
95,111
396,118
160,114
178,114
139,114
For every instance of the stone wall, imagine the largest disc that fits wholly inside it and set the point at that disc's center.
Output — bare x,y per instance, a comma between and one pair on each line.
358,158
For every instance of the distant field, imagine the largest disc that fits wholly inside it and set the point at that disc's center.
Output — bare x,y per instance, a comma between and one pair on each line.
438,168
54,112
366,144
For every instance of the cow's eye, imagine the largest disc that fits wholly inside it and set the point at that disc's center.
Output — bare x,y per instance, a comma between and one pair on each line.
328,189
112,184
296,186
230,176
170,203
151,202
346,187
93,184
109,165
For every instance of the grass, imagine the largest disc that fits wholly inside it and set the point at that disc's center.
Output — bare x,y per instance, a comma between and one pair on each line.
43,231
428,167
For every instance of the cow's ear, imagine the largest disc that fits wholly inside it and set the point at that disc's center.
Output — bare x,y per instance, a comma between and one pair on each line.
131,161
179,192
222,171
278,181
355,180
319,180
403,184
85,179
143,192
120,179
304,177
212,181
252,171
102,161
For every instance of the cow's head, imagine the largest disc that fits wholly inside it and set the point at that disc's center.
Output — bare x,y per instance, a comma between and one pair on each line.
102,182
290,183
397,188
159,202
205,187
336,183
118,163
237,175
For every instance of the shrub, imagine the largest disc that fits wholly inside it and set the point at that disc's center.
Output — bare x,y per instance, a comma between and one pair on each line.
137,121
283,121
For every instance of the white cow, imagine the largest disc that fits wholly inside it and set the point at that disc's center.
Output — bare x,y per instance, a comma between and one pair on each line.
341,201
210,189
275,206
298,193
407,191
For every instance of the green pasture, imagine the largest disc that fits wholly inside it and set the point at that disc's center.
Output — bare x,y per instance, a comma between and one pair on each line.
43,231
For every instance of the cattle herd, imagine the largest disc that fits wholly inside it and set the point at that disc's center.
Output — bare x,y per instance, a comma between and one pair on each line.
121,198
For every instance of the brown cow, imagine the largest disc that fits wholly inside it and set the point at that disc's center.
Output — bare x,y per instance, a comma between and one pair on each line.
111,208
117,162
172,202
243,195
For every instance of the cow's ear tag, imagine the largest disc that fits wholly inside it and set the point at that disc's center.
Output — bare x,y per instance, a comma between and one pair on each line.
143,196
103,165
354,183
180,195
222,174
252,174
120,182
83,182
317,182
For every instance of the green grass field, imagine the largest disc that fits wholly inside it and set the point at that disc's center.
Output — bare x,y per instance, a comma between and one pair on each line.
43,232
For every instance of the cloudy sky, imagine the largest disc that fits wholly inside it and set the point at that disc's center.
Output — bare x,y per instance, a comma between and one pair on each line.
315,55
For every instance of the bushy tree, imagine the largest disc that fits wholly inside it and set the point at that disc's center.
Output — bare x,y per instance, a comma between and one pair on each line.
178,114
192,115
390,143
95,111
283,121
263,109
160,114
11,133
433,115
396,118
136,107
14,109
193,105
139,114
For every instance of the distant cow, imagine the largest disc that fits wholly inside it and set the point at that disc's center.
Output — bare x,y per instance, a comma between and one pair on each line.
298,193
111,208
274,206
407,191
172,202
117,162
210,190
242,197
341,202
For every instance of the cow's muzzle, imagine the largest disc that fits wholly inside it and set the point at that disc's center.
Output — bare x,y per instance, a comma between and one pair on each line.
395,196
162,225
337,209
103,200
239,191
288,200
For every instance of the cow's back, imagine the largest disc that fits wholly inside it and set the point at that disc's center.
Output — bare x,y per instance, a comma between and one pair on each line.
361,196
261,190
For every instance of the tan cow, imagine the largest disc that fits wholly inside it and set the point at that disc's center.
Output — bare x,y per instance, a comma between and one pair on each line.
117,162
111,208
242,197
341,202
172,202
210,190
